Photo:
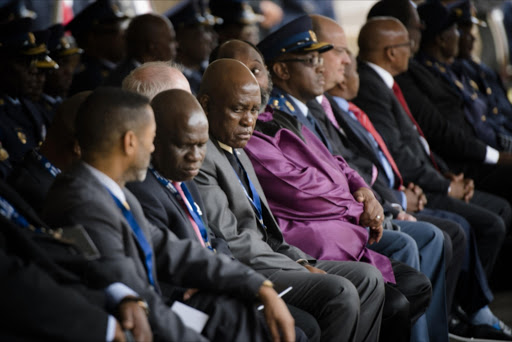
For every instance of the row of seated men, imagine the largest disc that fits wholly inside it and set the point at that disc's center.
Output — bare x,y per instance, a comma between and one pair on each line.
292,179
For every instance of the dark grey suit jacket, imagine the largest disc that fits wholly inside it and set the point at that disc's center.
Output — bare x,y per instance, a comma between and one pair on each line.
77,197
232,217
163,210
398,132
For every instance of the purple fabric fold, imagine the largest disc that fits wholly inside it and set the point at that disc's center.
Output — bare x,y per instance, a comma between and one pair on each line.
310,194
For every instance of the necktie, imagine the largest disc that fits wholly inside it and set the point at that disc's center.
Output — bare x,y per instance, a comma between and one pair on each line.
248,187
328,111
187,206
367,124
400,97
139,235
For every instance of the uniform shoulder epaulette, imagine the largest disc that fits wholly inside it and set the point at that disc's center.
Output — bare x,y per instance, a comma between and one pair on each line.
281,103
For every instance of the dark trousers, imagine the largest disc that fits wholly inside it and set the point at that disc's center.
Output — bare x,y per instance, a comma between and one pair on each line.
455,244
486,223
347,302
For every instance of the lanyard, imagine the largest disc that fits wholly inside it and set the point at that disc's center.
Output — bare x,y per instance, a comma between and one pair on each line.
53,170
255,199
141,239
191,206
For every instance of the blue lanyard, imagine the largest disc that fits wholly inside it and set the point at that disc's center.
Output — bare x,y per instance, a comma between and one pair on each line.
52,169
141,239
192,208
255,199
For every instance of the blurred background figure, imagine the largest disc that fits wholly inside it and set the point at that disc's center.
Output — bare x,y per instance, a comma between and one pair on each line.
239,21
196,38
149,38
99,30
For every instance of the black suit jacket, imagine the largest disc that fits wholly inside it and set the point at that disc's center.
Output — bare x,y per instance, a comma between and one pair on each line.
163,210
438,109
398,132
43,299
31,180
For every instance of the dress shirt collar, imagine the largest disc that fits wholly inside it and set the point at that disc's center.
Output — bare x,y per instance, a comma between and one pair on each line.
300,105
107,182
225,147
320,98
341,102
384,74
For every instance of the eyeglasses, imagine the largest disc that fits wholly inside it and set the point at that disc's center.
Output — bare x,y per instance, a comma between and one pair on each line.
409,44
311,61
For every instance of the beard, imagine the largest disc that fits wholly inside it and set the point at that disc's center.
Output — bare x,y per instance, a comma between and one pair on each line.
265,93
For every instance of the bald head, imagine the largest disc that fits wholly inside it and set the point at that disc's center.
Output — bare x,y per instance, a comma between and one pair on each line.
181,135
232,109
248,54
323,25
152,78
151,37
385,42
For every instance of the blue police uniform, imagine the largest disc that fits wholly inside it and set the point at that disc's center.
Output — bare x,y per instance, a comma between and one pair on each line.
23,123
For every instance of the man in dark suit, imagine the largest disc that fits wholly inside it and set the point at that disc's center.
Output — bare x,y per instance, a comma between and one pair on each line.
169,197
92,193
238,212
384,53
34,175
43,272
149,37
410,149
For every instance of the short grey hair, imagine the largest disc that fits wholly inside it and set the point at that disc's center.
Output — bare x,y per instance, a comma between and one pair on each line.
152,78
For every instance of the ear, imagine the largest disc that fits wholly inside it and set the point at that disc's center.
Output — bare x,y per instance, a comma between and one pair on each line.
204,100
280,70
390,54
129,143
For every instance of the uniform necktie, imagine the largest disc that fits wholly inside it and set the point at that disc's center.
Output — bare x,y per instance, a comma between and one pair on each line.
400,97
367,124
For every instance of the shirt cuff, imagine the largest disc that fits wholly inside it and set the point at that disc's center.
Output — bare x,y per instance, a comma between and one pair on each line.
491,155
111,328
115,293
404,200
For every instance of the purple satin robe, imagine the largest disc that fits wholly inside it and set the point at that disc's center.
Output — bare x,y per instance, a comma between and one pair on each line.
310,194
